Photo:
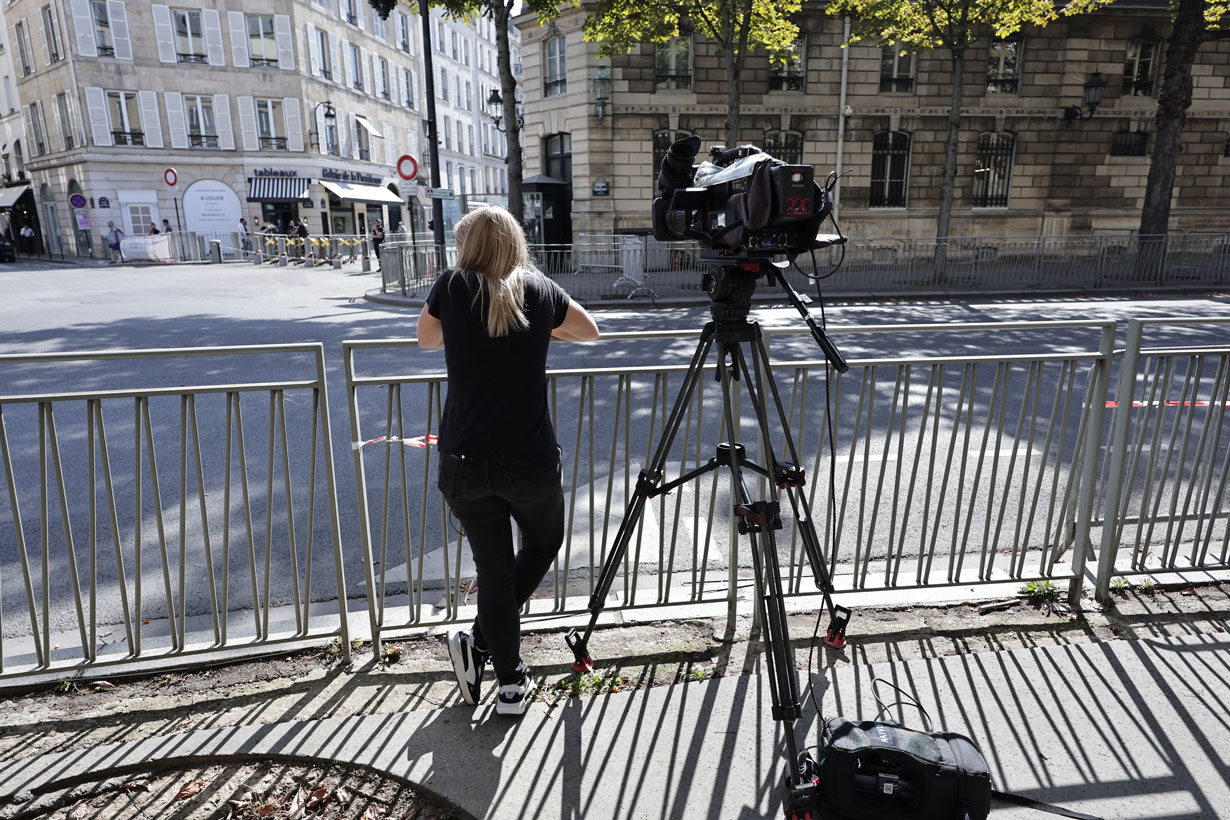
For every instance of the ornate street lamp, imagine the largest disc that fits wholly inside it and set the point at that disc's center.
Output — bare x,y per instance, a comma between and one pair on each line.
602,91
1095,87
495,103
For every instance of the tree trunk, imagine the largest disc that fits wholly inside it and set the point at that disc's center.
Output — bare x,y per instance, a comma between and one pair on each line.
952,144
1172,104
508,90
734,48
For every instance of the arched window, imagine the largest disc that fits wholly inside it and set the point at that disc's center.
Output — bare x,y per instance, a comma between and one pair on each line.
890,169
557,153
785,145
993,170
662,141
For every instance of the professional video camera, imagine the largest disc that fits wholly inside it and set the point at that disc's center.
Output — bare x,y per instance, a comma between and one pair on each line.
742,201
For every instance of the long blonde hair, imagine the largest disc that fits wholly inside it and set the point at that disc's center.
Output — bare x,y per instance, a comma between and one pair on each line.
492,244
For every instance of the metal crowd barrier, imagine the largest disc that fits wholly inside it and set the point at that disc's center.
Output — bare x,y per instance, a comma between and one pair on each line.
150,538
954,470
1169,460
276,249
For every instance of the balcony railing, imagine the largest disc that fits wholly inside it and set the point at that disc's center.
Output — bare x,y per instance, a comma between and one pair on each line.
128,137
358,85
352,18
556,86
69,142
1002,85
274,144
326,73
1137,88
365,154
672,82
192,58
896,85
203,140
106,51
264,62
786,81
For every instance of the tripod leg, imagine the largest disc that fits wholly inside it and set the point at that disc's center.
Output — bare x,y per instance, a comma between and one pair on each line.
646,487
791,479
759,520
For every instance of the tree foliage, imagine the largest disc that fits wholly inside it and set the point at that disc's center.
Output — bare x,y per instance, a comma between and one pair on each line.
739,27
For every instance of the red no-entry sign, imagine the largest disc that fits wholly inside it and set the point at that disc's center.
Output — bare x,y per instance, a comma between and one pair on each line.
407,167
170,177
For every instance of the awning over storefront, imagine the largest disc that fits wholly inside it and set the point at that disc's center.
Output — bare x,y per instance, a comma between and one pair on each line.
277,189
352,192
9,196
368,125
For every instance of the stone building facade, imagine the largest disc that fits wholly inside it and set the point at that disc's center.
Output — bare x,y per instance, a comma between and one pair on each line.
882,116
286,109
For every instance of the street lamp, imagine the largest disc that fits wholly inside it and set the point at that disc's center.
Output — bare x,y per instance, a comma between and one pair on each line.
1095,87
496,104
330,114
602,91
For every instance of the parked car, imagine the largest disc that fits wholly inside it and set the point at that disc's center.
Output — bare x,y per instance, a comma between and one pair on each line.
7,254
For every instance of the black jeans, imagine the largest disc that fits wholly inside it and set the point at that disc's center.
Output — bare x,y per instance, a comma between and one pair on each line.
485,494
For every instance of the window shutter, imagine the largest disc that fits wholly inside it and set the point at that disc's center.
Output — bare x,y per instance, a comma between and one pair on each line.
294,123
366,62
83,27
211,21
343,147
359,14
71,107
247,123
354,135
347,68
399,87
341,9
222,118
238,25
336,57
313,49
43,31
55,110
96,110
165,34
285,41
150,123
118,14
321,142
176,121
390,150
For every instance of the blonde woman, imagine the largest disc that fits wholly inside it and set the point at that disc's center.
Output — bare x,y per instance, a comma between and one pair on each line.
499,460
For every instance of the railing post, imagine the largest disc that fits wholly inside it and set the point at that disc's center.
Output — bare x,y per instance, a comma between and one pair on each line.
374,601
1094,422
1112,512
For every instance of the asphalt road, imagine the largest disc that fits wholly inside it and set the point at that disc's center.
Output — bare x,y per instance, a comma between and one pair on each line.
50,308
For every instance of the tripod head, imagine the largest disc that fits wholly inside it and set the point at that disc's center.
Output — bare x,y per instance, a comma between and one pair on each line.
730,282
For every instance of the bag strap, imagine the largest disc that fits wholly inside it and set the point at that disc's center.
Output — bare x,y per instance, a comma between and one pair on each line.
1030,803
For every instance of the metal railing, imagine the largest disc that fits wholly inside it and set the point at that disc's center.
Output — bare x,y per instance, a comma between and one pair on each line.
1169,460
946,471
325,249
619,267
967,469
149,538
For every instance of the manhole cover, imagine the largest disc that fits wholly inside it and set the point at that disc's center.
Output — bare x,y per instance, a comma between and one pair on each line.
253,790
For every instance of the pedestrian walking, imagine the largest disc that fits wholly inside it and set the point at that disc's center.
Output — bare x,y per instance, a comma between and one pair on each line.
27,238
495,315
245,240
114,237
377,240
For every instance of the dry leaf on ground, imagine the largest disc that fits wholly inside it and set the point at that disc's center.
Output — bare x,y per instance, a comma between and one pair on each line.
190,789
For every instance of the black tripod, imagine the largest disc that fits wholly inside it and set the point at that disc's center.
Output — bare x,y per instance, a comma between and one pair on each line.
730,284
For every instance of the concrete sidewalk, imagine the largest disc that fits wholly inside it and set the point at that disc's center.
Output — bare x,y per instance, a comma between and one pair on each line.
1119,729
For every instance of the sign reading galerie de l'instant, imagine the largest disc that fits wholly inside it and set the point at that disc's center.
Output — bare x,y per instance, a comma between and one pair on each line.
350,176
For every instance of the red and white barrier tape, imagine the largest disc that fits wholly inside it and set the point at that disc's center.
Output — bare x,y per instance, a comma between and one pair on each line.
420,442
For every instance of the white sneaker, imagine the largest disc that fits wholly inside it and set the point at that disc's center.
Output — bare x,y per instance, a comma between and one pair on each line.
514,698
468,663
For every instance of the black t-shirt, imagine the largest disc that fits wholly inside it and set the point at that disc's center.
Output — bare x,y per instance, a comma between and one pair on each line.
497,387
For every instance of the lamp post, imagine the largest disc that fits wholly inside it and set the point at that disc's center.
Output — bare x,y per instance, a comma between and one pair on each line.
433,144
602,91
1095,87
330,114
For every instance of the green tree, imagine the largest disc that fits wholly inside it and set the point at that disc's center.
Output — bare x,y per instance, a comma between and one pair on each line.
952,25
1193,22
500,13
737,26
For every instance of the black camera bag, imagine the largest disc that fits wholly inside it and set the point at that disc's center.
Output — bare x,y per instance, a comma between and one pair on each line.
880,770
